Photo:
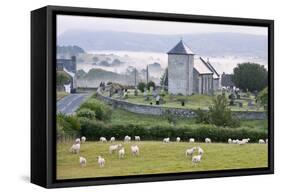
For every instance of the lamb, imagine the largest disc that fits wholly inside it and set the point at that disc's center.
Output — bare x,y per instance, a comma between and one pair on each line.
137,138
121,153
112,139
75,148
261,141
178,139
196,159
77,141
101,161
189,152
191,140
166,140
82,161
83,139
229,141
135,150
208,140
127,138
103,139
200,151
246,140
113,148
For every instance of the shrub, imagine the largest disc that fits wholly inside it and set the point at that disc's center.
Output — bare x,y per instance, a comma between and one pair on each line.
141,86
151,84
67,125
85,112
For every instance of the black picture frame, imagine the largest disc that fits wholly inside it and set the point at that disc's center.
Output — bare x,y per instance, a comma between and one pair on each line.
43,96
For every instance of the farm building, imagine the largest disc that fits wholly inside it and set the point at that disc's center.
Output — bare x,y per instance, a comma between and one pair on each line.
190,73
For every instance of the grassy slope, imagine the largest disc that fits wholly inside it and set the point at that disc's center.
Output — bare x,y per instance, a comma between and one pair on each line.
156,157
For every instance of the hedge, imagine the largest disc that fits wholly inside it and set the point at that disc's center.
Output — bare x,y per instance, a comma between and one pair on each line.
93,130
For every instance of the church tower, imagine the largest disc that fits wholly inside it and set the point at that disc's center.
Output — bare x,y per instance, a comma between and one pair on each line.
180,69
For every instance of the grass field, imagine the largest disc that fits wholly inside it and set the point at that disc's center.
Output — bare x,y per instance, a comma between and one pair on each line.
156,157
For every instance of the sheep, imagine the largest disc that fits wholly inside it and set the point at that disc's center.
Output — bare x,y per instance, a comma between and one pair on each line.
83,139
75,148
235,141
121,153
112,139
135,150
166,140
208,140
242,142
127,138
82,161
200,151
191,140
229,141
103,139
189,152
261,141
113,148
137,138
101,161
178,139
266,141
196,159
77,141
246,140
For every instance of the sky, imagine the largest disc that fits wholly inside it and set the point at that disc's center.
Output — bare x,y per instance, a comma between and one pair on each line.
65,23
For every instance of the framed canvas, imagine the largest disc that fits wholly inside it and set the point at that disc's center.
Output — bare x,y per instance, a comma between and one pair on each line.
125,96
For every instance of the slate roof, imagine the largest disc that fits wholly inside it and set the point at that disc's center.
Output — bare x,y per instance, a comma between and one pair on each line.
201,66
208,64
181,49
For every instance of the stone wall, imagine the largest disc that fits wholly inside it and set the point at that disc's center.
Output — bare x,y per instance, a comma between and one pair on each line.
180,112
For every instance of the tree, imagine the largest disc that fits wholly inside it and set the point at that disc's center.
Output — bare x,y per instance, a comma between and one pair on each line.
62,78
141,86
151,84
263,98
250,76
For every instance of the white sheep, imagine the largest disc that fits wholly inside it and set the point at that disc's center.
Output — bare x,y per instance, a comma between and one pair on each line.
191,140
82,161
83,139
189,152
127,138
235,141
196,159
261,141
103,139
137,138
266,141
200,151
135,150
178,139
113,148
121,152
229,141
208,140
112,139
166,140
246,140
101,161
75,148
77,141
242,142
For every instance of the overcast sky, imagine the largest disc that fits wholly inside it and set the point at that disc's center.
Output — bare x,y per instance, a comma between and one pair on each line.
65,23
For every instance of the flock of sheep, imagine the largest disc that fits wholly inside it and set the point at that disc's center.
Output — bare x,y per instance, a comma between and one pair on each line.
113,148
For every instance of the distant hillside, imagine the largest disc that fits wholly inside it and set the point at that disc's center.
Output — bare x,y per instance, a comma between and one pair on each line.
204,44
68,51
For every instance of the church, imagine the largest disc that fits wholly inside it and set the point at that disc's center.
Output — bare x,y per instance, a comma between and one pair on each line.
189,73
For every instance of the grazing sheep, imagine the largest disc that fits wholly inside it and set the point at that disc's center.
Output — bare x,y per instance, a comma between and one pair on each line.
266,141
235,141
200,151
82,161
196,159
189,152
83,139
103,139
229,141
191,140
113,148
121,152
101,161
75,148
77,141
127,138
261,141
242,142
135,150
178,139
208,140
166,140
137,138
246,140
112,139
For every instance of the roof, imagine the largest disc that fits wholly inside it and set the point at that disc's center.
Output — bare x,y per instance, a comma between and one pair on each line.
181,49
208,64
200,66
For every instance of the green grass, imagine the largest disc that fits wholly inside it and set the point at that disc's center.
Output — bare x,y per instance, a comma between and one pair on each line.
156,157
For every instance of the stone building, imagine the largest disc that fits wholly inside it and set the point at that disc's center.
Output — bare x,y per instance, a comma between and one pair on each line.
189,73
